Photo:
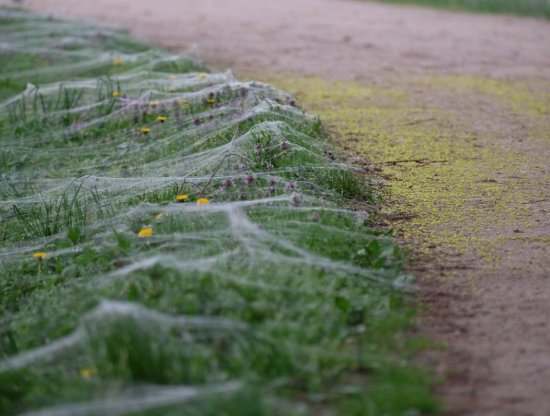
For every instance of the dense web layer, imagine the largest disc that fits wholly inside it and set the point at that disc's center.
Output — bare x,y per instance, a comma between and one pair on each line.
173,236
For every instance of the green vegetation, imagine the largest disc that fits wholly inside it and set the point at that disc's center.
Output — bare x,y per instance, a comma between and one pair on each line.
535,8
176,237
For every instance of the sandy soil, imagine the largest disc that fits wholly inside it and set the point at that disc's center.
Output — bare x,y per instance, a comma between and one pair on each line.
491,310
340,39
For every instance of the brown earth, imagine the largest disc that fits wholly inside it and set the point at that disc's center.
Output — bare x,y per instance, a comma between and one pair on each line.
456,110
337,39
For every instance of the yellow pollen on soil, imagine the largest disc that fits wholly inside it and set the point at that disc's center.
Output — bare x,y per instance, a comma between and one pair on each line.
448,185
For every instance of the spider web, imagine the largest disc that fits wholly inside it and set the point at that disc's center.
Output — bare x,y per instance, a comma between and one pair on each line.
249,291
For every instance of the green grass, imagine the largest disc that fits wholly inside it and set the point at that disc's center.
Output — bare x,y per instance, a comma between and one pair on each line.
276,298
535,8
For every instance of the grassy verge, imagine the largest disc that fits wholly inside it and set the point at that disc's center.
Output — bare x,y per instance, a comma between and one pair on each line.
171,236
535,8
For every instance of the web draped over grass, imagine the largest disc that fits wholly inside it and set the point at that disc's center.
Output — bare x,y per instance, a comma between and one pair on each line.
275,297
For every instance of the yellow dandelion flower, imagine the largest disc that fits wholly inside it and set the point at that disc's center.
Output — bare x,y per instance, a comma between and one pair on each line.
161,119
181,197
116,94
172,89
154,103
145,130
202,201
145,232
39,255
202,75
181,102
210,101
117,61
88,372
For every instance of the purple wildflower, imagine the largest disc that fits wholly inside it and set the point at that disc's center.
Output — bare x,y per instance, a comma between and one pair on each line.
314,216
248,179
238,166
75,127
289,186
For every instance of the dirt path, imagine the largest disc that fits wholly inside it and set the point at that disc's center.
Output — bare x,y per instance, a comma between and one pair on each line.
336,39
455,108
